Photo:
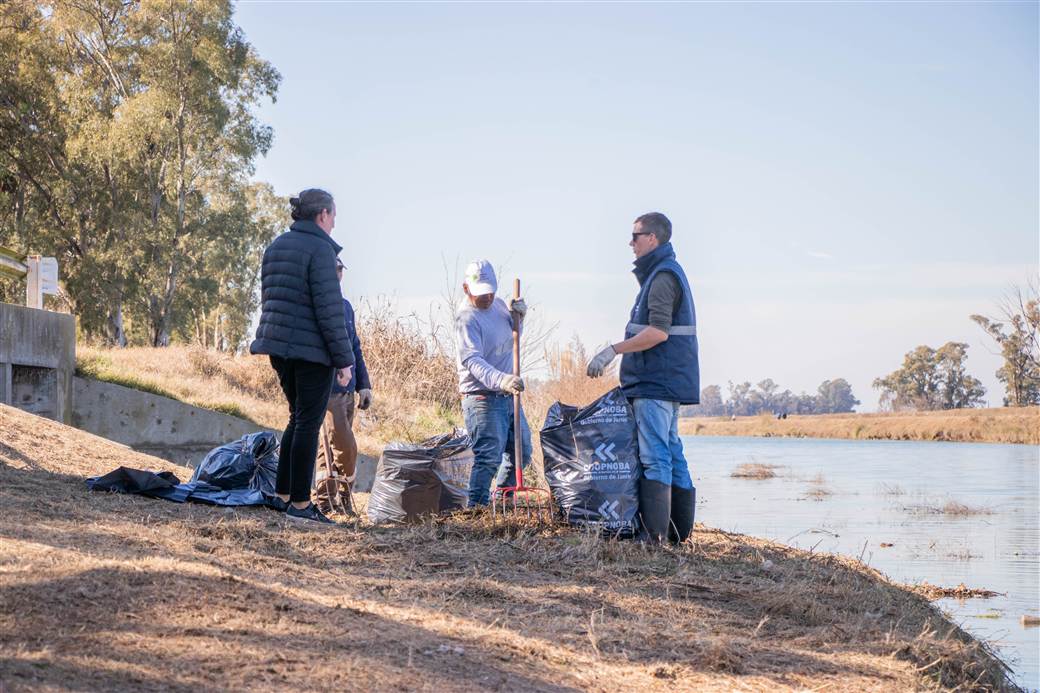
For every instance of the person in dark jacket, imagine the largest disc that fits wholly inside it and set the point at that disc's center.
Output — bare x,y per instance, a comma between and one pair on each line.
303,330
339,420
660,371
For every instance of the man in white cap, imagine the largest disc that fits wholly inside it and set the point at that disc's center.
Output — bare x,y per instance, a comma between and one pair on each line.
484,334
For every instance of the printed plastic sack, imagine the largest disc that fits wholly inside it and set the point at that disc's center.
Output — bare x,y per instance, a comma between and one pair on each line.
425,479
592,463
244,470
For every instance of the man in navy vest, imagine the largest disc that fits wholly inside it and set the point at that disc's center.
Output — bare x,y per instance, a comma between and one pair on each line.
659,372
339,420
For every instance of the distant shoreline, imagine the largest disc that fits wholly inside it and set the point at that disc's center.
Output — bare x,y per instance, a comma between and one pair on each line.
997,425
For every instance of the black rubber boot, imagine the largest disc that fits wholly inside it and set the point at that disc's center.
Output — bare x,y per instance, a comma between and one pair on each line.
655,510
684,501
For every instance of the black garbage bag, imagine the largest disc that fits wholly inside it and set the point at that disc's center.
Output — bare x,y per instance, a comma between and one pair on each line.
592,463
413,481
239,473
128,480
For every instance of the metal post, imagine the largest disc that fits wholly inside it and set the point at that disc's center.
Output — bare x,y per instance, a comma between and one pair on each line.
33,285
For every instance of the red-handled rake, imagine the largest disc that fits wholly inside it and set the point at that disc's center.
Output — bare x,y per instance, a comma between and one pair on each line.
535,503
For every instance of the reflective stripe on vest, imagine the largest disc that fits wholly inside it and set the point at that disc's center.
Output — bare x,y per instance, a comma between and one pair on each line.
684,330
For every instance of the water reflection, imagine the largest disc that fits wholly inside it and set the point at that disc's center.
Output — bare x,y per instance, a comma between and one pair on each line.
946,513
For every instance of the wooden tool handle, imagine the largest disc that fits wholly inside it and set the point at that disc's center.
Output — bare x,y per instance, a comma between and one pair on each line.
516,330
518,448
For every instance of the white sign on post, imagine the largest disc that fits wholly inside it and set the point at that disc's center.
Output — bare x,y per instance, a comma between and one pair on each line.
49,275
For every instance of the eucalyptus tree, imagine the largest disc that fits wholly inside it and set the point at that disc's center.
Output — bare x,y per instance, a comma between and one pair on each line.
127,140
1016,330
931,379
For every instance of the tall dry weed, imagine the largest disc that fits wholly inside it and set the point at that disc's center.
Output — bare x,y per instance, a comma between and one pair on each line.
567,382
408,357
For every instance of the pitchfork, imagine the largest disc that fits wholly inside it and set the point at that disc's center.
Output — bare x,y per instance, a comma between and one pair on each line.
538,497
333,481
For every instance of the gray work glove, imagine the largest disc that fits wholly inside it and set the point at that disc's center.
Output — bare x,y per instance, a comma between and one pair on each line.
364,399
600,361
513,384
518,306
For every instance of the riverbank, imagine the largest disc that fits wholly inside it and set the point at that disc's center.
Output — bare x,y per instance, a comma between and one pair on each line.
996,425
115,592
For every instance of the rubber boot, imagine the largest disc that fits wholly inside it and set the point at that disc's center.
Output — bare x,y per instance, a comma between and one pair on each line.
684,501
655,510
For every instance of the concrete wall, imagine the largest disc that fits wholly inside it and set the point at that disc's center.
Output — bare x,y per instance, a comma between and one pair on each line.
143,420
37,360
166,428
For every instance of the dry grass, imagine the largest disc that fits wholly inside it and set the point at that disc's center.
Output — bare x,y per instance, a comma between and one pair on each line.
819,493
999,425
754,470
412,372
951,507
112,592
960,509
566,383
933,592
414,381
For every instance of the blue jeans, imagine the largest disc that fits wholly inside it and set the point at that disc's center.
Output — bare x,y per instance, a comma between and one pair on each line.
489,421
660,450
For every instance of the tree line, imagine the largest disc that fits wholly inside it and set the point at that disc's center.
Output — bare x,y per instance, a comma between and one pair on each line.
832,397
928,379
931,379
127,140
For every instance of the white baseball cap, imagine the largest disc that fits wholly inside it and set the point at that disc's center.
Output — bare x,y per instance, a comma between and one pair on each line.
480,278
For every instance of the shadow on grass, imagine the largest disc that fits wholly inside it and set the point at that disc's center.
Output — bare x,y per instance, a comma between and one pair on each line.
725,604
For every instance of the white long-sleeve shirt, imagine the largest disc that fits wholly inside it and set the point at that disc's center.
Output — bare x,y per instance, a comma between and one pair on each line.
485,346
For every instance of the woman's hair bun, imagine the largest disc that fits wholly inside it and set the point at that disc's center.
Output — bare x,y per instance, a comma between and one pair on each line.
310,203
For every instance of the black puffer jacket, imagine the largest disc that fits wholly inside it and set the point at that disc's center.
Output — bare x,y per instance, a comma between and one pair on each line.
301,303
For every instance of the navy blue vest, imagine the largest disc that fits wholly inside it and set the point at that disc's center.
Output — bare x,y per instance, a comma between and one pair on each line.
670,370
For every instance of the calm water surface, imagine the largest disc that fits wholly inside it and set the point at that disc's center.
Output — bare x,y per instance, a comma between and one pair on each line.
849,497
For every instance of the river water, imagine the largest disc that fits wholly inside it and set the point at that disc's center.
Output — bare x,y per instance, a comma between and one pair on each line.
849,497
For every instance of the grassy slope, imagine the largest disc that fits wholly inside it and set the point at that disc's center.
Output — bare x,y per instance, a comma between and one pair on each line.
246,386
1002,425
112,592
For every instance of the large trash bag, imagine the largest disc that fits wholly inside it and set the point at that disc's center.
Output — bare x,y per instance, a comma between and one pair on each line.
128,480
239,473
413,481
592,463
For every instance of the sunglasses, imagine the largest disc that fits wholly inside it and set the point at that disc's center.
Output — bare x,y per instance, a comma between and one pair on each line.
636,235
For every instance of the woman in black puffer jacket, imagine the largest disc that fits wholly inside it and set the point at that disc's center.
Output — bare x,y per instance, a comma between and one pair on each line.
302,329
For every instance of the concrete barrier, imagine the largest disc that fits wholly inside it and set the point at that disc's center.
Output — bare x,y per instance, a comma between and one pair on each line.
37,361
146,421
167,428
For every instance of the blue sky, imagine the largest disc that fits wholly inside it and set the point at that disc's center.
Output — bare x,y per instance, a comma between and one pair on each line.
846,181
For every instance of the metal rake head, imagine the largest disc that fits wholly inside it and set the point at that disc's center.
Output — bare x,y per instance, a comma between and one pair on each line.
522,502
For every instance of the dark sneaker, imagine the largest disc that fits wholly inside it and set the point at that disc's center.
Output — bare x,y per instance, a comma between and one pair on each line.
311,513
276,503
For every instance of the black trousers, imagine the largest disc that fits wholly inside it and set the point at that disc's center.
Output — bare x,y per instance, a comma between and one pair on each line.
306,386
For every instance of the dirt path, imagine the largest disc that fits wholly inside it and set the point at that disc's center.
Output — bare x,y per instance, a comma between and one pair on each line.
112,592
